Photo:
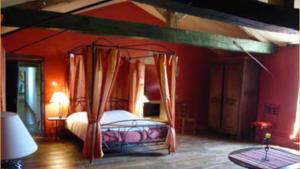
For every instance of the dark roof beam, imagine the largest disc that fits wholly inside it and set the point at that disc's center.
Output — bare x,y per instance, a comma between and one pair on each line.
98,26
247,13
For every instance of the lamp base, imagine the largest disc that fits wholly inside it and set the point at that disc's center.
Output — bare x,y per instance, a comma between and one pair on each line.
11,164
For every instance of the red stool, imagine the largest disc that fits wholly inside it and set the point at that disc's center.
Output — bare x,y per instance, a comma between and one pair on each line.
261,128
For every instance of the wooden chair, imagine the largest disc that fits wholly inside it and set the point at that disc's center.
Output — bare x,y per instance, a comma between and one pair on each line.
187,123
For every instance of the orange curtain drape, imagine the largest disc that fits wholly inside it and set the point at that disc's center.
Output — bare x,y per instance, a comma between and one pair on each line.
2,80
166,70
77,83
296,130
136,87
101,70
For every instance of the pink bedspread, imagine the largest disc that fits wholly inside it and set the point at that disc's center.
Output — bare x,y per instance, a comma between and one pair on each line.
128,132
150,134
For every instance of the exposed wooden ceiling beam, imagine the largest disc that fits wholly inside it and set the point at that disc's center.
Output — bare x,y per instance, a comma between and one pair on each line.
40,4
283,3
252,14
7,3
21,17
172,18
87,6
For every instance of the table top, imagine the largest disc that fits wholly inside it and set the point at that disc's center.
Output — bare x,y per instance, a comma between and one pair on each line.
279,158
57,118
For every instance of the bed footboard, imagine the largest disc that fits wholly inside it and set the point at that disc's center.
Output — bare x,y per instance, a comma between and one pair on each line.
121,137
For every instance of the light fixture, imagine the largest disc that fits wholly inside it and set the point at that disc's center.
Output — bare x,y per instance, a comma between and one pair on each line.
54,83
72,55
60,98
16,141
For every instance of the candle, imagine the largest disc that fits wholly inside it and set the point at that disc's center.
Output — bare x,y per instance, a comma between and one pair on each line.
268,135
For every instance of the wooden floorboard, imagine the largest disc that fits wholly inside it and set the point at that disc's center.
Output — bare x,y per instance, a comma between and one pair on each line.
193,152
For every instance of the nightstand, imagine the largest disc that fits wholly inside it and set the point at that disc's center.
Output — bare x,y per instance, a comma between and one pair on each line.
57,120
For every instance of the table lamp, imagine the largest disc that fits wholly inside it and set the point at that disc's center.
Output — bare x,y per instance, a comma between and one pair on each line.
16,141
60,98
267,139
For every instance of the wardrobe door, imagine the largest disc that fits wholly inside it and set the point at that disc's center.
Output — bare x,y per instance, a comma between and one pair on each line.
231,99
249,100
215,96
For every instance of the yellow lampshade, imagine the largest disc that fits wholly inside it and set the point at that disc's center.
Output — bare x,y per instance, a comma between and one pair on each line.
59,97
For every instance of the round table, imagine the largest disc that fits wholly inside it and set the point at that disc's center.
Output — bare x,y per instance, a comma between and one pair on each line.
252,158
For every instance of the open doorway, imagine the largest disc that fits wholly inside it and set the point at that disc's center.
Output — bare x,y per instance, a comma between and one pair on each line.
25,92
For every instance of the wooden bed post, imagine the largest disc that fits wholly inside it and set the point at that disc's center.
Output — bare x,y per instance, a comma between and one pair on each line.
93,143
92,93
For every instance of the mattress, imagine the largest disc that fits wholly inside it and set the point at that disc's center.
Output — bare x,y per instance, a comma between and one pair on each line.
119,126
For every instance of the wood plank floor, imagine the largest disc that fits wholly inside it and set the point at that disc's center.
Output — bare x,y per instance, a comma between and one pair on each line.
193,152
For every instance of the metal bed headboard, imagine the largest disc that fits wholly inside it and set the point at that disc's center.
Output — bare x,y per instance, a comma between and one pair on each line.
113,103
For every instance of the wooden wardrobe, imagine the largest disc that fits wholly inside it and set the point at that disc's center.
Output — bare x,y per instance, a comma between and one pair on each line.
233,98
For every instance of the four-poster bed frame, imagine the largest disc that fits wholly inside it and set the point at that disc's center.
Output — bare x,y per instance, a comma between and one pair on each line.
144,131
118,134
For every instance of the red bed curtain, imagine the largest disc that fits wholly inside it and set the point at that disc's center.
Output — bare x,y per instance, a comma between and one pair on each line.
136,85
2,80
101,70
166,70
77,83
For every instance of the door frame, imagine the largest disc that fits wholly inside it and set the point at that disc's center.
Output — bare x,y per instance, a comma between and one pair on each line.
37,60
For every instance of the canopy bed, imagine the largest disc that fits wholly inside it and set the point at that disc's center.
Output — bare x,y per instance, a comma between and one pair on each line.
93,72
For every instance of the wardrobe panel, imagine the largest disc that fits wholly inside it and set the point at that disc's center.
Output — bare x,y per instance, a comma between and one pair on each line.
215,96
232,93
249,99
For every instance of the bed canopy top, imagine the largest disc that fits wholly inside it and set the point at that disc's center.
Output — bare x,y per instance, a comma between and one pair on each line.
93,69
127,48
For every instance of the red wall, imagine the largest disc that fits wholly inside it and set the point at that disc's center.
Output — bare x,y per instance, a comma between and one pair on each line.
192,82
151,83
193,61
126,12
280,90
